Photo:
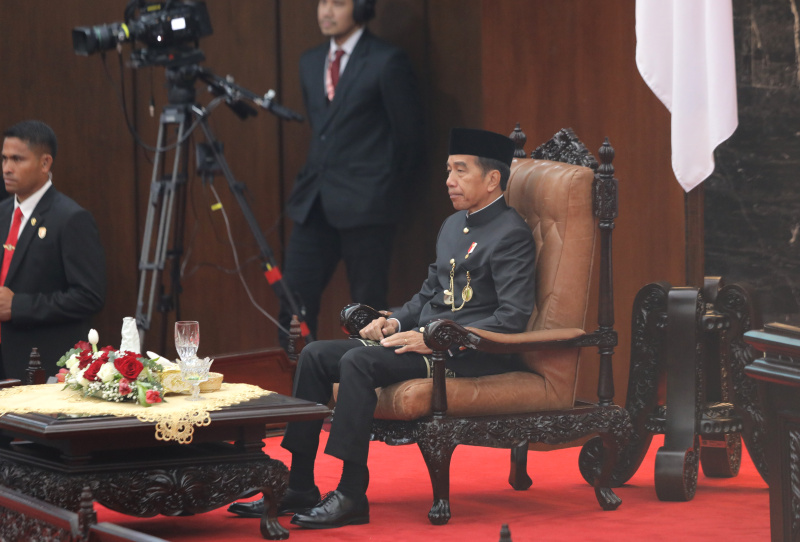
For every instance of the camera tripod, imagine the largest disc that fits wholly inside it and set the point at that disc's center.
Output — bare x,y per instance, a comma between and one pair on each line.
167,201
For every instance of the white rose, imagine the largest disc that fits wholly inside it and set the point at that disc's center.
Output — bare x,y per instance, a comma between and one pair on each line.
79,377
70,363
107,372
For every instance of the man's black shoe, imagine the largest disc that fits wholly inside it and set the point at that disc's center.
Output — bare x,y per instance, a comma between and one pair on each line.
293,502
335,510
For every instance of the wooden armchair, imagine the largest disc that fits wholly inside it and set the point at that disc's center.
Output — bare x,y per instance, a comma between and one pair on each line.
565,205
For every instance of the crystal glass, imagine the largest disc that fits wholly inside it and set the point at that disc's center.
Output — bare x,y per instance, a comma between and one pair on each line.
194,371
187,339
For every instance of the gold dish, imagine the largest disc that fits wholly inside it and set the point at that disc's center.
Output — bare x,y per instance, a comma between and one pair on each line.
173,383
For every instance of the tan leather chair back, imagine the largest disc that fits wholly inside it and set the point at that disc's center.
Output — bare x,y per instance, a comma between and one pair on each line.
555,199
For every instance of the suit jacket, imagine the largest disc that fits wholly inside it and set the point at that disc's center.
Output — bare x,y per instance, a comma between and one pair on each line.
58,276
364,142
501,259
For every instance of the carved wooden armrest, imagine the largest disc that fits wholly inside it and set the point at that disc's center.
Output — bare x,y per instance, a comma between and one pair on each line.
446,334
357,315
443,335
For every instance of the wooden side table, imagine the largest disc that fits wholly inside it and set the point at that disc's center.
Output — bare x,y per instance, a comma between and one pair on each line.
778,376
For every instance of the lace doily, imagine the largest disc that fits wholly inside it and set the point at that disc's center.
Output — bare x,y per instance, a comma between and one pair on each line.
175,418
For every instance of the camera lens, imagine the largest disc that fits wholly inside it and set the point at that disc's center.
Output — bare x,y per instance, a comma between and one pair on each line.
88,40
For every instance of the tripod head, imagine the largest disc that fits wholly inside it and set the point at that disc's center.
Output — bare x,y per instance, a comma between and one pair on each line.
181,90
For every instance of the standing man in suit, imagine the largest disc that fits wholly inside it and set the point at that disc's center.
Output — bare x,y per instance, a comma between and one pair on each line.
362,103
53,276
482,278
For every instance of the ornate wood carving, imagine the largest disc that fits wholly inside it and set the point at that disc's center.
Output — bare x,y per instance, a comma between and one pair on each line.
146,492
17,526
437,438
649,316
722,314
737,303
355,316
565,147
794,483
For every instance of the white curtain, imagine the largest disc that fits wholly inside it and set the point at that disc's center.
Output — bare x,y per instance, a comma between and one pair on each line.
685,53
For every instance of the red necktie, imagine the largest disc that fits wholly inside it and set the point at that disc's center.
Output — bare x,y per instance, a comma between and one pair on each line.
333,73
11,241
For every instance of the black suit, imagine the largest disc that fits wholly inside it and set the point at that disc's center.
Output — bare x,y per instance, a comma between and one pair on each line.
58,277
501,276
346,200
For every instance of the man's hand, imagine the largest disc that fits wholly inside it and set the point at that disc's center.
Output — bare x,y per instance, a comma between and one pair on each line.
378,329
5,304
407,341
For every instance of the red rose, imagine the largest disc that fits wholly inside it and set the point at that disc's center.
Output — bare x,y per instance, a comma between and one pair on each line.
85,358
128,365
83,345
124,387
152,396
107,349
91,373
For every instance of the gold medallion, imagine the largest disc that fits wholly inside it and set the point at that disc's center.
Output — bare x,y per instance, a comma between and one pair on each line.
466,293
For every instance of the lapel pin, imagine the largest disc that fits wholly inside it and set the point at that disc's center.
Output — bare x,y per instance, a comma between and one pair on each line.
33,221
42,232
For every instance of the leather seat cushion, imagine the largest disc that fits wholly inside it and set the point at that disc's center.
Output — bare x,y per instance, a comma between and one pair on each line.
508,393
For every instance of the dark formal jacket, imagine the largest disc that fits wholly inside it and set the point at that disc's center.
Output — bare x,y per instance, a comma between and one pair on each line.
365,142
501,269
58,276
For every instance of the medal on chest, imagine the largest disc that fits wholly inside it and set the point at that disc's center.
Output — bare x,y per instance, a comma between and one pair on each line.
466,292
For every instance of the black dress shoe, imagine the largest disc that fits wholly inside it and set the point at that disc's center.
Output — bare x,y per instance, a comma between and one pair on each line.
335,510
293,501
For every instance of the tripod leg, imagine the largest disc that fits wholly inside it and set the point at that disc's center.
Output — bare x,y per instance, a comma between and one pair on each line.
271,270
163,194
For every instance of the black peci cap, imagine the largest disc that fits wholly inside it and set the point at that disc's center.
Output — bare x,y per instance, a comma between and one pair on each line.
481,143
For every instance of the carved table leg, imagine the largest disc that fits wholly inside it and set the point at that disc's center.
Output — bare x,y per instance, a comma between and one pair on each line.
270,528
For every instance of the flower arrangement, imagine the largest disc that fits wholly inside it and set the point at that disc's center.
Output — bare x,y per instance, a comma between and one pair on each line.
109,374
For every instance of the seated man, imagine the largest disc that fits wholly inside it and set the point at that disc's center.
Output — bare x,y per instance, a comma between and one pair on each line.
482,277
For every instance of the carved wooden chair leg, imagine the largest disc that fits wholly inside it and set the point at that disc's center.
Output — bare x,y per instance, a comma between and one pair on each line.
518,474
677,461
270,528
602,485
437,451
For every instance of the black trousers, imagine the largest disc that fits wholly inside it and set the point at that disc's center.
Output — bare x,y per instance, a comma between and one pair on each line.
359,370
314,251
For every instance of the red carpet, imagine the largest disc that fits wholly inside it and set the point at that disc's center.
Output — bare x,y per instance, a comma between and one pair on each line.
559,506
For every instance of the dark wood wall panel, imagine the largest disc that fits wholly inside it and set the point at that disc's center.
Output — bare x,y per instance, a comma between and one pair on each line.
551,65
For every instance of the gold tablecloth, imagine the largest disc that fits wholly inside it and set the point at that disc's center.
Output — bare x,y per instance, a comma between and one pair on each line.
175,418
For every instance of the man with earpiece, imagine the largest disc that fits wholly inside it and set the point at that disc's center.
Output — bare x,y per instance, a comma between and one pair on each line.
362,103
